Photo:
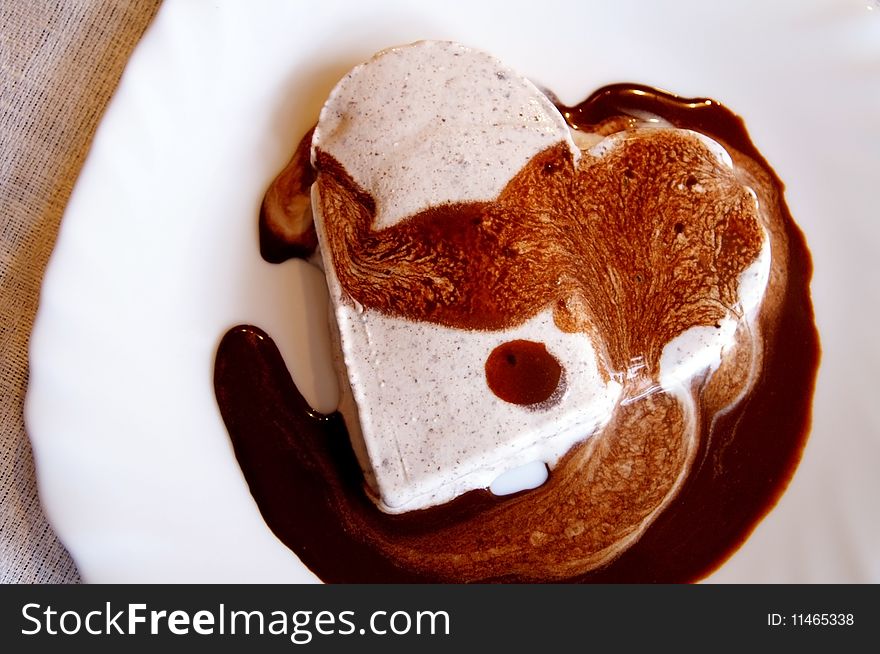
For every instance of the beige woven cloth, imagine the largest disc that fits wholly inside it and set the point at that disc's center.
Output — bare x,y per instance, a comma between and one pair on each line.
60,61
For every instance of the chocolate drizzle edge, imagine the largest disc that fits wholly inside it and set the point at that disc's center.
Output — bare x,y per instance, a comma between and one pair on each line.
306,481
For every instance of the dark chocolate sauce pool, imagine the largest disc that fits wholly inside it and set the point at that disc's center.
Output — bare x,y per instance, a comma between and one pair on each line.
304,476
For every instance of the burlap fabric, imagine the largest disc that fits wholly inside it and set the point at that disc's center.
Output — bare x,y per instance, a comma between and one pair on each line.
60,61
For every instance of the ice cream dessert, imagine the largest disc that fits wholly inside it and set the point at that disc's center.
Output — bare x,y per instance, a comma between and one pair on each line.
417,316
464,224
597,289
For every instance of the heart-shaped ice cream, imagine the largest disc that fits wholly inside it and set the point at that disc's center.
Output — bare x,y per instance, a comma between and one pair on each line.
457,216
612,298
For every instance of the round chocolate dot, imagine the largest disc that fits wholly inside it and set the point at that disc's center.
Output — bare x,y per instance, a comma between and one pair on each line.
523,372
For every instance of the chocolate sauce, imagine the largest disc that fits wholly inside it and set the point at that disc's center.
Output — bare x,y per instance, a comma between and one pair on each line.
306,480
286,227
523,372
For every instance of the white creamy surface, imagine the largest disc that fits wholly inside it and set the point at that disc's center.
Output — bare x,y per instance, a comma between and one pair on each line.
435,122
432,426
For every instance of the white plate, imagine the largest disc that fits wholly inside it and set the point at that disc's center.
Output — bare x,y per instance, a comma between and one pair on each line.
157,254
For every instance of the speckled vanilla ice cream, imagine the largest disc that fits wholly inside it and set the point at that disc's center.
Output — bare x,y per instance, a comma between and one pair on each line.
469,246
418,127
432,123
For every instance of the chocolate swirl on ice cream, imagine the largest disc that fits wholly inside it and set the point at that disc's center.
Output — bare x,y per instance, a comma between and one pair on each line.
638,237
632,247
